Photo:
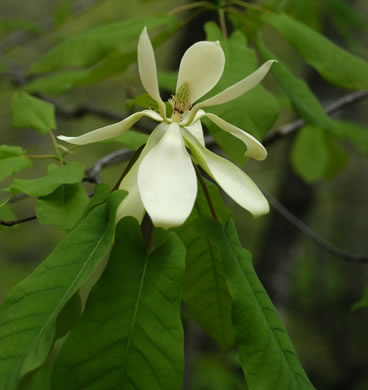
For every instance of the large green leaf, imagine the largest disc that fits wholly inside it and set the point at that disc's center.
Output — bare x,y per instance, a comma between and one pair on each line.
30,112
89,47
315,155
254,112
303,99
130,336
66,174
12,159
333,63
29,313
62,208
266,353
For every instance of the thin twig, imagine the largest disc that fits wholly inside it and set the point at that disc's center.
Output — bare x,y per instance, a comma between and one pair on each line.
187,7
337,105
245,4
314,236
17,222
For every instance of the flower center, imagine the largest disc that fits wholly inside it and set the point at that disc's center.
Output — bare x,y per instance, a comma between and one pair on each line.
180,102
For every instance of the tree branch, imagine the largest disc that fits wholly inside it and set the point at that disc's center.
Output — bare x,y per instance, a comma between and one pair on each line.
314,236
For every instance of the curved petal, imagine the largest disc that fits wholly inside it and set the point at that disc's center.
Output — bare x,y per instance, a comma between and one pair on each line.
201,66
132,204
232,180
112,130
236,90
197,130
254,148
148,70
167,181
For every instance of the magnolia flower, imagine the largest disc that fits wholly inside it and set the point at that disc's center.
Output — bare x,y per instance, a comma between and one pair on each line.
163,180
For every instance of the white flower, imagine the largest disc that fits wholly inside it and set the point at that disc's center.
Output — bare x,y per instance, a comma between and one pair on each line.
163,181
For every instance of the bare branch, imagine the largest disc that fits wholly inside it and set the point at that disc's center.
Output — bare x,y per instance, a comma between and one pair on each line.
337,105
17,222
314,236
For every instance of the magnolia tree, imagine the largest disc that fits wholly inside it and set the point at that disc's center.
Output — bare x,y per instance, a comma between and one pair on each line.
162,235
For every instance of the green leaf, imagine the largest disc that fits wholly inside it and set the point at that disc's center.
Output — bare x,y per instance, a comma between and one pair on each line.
256,111
363,302
142,101
266,352
30,112
130,335
87,48
356,134
303,99
12,160
63,207
315,155
333,63
62,12
7,213
131,139
20,24
68,316
28,315
66,174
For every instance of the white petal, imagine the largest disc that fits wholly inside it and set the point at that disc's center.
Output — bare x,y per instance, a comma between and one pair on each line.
197,130
254,148
132,205
148,70
231,179
111,130
167,181
201,66
236,90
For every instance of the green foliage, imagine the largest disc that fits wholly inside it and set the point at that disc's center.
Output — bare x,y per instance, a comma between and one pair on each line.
315,155
68,316
30,112
333,63
131,139
356,134
254,112
12,160
65,174
363,302
62,12
91,46
63,207
130,335
28,315
266,353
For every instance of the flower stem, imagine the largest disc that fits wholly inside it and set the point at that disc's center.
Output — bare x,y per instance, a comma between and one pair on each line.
222,20
43,156
206,193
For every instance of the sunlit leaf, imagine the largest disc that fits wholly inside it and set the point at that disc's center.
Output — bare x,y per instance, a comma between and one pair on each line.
66,174
12,160
266,353
130,335
30,112
63,207
333,63
28,315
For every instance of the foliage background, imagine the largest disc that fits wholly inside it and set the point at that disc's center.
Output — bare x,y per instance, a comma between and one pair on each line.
313,290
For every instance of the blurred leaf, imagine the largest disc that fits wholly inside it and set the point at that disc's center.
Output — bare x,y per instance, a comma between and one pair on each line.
142,101
256,111
28,315
363,302
12,159
7,213
167,80
333,63
62,12
356,134
63,207
130,335
87,48
20,24
303,99
66,174
30,112
68,316
266,352
315,155
131,139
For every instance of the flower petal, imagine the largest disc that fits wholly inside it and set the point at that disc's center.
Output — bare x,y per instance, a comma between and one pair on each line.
148,70
201,66
197,130
132,204
232,180
112,130
167,181
254,148
236,90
